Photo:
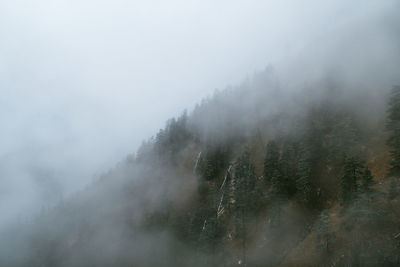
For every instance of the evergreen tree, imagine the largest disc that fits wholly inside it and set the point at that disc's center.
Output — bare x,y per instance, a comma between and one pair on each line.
210,234
276,171
392,189
393,125
303,181
343,134
367,179
195,227
204,228
352,172
277,187
226,198
288,168
215,159
271,161
245,195
170,141
278,196
280,172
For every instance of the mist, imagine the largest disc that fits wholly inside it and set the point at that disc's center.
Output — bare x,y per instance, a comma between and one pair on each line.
84,83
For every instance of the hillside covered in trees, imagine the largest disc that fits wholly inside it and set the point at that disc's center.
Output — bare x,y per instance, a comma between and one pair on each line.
254,176
296,165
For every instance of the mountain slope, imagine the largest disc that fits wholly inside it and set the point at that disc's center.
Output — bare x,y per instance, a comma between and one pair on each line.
251,177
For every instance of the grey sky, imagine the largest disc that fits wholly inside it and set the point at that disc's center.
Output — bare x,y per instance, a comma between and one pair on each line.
83,82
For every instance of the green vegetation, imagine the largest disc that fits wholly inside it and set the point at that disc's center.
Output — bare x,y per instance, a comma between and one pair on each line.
393,126
305,192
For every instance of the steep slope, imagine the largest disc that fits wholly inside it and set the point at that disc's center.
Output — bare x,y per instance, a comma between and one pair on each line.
251,177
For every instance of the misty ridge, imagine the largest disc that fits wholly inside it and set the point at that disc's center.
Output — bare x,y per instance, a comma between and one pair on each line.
298,165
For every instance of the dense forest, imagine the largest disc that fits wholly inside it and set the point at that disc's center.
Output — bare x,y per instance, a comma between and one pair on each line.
252,176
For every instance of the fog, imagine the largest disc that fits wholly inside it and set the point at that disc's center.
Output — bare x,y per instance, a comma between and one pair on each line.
83,83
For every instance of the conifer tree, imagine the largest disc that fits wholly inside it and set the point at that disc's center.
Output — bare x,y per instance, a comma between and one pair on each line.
392,189
209,235
204,226
210,230
303,181
245,196
227,192
215,159
288,168
352,172
393,125
277,188
367,179
195,228
271,161
276,171
172,139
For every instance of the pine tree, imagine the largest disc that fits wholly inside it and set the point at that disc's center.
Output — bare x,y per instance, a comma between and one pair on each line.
393,125
271,161
277,187
215,159
195,227
288,167
392,189
352,172
276,173
367,179
245,196
303,181
226,198
210,235
342,136
172,139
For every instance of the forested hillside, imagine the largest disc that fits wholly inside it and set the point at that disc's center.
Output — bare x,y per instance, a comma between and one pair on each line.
254,176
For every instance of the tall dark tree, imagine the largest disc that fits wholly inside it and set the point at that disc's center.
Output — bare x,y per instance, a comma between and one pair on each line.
393,126
170,141
393,189
280,171
208,227
227,193
288,167
352,172
204,227
246,197
342,135
271,161
213,161
303,181
366,180
276,170
195,228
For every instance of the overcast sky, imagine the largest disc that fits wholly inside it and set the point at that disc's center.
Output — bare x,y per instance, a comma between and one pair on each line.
83,82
